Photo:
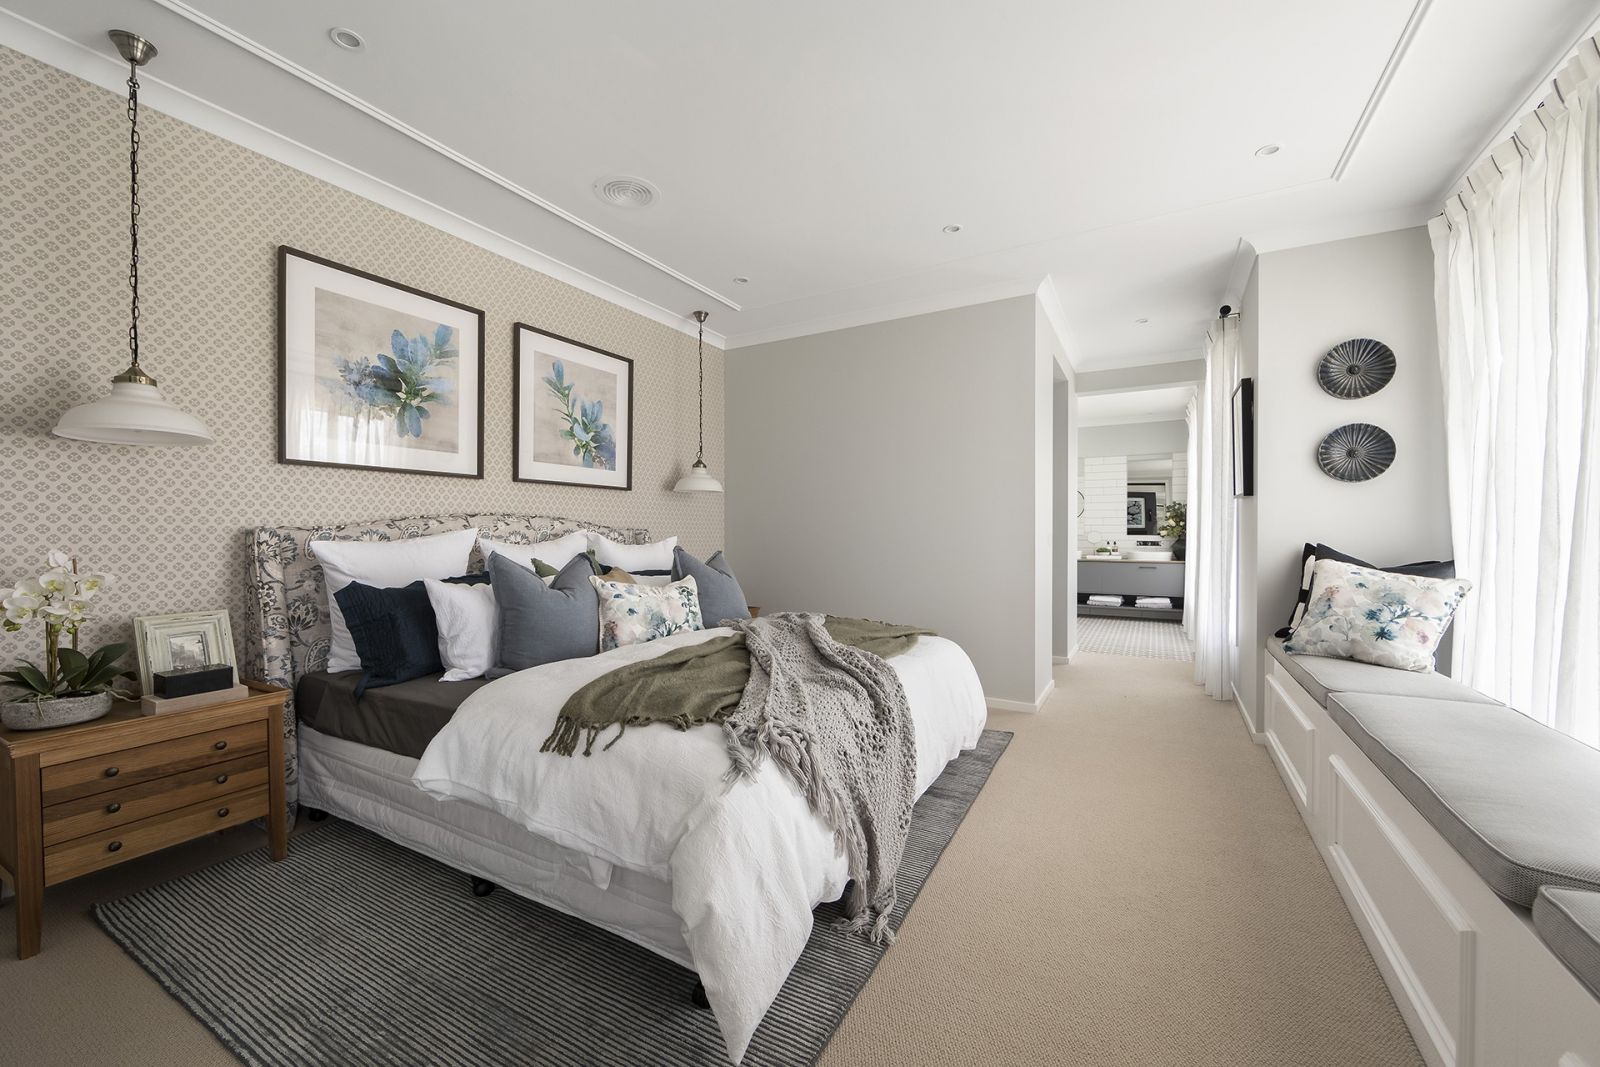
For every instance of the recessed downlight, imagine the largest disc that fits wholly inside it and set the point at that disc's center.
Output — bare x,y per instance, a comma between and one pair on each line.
741,280
1269,150
1141,322
954,227
346,38
626,191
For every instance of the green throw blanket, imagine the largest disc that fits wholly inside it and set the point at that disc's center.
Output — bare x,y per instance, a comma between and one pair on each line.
692,686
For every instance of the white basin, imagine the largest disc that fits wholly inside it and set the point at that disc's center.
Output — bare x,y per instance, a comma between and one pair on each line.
1147,555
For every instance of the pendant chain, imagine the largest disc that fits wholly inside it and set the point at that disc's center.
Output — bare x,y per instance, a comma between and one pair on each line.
700,454
133,209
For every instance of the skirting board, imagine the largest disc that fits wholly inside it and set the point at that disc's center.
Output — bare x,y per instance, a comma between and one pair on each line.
1021,705
1244,713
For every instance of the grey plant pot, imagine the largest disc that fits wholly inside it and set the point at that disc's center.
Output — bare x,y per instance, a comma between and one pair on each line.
57,711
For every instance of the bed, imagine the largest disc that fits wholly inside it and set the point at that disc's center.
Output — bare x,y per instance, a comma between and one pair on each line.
635,841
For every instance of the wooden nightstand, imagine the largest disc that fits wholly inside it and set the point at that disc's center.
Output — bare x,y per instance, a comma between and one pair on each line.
81,798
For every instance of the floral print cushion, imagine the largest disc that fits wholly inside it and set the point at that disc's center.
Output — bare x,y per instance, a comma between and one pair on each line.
632,614
1373,616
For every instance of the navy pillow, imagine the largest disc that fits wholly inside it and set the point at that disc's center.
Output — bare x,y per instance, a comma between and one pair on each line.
720,595
1432,568
394,630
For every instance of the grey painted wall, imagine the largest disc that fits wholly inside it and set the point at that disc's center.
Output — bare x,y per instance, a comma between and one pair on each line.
890,471
1307,300
1147,376
1133,439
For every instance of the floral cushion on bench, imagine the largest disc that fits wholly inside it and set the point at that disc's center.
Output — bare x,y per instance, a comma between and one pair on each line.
1373,616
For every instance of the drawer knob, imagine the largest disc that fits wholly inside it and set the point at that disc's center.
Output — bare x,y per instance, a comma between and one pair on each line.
113,807
115,846
220,745
222,813
111,772
221,778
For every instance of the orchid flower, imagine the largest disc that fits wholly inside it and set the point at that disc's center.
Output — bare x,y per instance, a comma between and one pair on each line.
91,583
55,581
59,560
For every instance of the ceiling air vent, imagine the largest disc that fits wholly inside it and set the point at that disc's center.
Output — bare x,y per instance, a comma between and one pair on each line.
622,190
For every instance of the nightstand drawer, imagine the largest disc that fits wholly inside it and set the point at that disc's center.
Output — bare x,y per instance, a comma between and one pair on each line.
82,855
113,770
102,811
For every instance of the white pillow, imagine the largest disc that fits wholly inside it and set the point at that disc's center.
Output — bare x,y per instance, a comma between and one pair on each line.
468,627
384,565
556,552
632,558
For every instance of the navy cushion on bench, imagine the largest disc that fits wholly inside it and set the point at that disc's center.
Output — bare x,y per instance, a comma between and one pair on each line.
1519,801
1569,922
1321,676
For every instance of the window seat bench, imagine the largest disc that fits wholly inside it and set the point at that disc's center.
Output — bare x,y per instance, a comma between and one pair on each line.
1465,839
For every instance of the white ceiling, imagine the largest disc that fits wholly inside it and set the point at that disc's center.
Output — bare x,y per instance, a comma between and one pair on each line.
1144,405
818,149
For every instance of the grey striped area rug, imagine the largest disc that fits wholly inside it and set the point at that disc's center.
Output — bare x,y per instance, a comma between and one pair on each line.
357,951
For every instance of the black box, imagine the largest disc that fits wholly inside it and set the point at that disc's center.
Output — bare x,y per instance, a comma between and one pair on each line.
207,679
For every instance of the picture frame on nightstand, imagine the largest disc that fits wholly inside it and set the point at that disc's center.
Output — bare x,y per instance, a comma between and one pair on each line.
184,641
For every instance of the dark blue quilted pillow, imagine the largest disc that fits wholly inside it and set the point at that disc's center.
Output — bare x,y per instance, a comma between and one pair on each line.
394,631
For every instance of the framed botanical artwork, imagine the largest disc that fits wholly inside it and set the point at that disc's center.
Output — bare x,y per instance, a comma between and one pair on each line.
1141,513
1244,438
572,417
374,374
181,642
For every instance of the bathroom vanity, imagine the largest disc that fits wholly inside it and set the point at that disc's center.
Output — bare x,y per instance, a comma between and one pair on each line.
1130,579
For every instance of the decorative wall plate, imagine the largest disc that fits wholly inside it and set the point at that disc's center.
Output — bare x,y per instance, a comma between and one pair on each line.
1356,368
1356,453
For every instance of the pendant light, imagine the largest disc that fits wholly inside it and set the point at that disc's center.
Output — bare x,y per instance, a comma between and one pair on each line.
135,413
699,479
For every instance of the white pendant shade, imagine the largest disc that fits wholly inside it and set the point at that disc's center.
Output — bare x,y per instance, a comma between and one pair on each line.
698,480
134,414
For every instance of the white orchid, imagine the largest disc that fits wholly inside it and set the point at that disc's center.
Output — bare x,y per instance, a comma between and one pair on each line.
56,581
93,582
61,599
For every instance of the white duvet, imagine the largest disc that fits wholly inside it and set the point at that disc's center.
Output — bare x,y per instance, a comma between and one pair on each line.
746,864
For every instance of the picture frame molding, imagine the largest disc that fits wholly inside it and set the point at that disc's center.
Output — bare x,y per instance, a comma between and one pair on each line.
150,630
516,408
284,252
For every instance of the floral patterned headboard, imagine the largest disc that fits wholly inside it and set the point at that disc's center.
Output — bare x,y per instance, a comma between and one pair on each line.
288,631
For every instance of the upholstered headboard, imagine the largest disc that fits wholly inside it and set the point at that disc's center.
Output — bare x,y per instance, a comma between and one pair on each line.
288,631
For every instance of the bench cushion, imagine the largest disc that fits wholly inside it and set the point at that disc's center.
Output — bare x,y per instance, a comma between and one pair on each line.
1321,676
1569,922
1519,801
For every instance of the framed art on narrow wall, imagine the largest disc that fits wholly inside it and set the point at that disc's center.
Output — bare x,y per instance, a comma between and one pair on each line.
1244,438
375,374
572,417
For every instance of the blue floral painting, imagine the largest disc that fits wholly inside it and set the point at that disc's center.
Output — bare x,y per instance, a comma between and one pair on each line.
375,374
574,413
582,422
405,384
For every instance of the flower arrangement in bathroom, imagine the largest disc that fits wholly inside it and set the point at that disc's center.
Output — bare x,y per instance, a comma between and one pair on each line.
69,686
1175,525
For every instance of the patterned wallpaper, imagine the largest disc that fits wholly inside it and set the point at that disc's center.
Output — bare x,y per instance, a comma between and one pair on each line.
170,524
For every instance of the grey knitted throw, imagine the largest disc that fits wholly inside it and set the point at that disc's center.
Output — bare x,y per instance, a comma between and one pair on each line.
835,718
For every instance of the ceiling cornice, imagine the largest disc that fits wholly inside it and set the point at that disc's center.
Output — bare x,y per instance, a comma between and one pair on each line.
884,313
372,111
101,69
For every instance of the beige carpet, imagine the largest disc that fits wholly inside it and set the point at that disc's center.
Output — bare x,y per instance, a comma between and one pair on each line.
1132,887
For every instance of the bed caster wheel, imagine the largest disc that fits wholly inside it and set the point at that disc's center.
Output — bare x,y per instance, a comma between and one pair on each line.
698,997
482,887
316,814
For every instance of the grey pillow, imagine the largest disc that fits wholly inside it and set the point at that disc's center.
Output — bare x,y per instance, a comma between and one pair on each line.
720,595
543,623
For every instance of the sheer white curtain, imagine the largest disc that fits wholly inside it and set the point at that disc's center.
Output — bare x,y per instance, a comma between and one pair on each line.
1517,288
1212,544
